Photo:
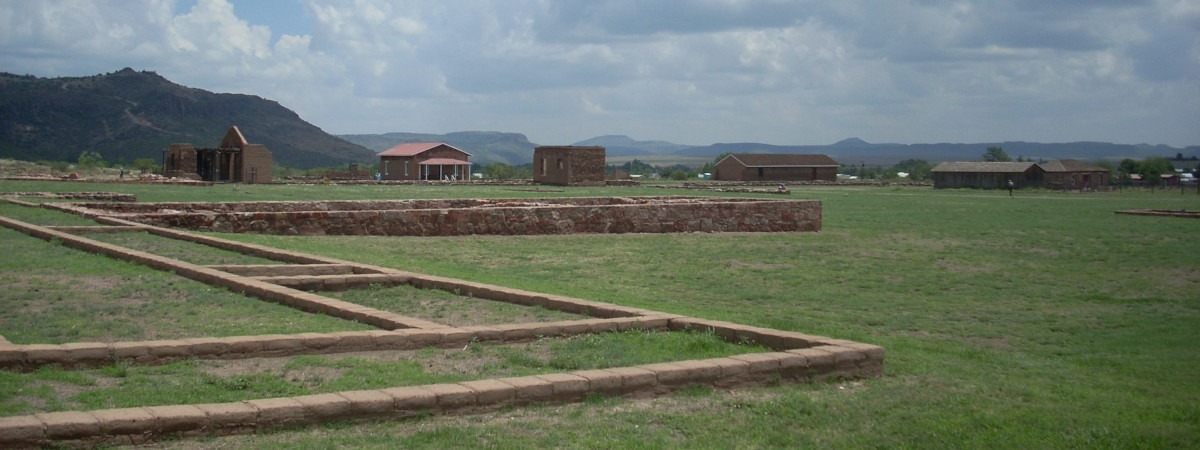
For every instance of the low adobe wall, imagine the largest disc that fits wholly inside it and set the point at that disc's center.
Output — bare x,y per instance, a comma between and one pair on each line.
475,216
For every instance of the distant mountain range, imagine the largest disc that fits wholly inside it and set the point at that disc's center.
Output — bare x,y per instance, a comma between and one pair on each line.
857,151
128,114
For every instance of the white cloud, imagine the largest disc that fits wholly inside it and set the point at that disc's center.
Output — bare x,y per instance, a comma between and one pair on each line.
695,71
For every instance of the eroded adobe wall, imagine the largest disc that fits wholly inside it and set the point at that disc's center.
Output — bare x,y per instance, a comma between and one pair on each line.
491,218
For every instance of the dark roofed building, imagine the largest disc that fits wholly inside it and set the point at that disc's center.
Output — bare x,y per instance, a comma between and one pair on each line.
1073,174
776,167
424,161
986,175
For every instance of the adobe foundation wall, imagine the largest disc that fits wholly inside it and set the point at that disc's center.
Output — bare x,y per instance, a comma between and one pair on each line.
146,424
473,216
797,357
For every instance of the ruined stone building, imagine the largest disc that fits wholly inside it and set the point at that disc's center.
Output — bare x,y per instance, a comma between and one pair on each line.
568,165
234,161
424,161
776,167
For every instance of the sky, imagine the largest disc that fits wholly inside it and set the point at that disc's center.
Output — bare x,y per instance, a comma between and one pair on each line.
691,72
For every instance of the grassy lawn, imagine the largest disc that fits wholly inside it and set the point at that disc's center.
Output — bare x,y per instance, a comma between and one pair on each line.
1039,321
203,381
447,308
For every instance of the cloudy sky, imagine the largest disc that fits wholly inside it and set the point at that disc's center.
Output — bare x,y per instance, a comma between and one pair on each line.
691,72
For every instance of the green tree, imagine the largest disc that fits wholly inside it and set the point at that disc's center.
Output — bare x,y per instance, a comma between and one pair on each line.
145,165
995,154
918,169
1152,169
90,160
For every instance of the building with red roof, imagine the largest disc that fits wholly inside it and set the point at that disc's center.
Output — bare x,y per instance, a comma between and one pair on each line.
424,161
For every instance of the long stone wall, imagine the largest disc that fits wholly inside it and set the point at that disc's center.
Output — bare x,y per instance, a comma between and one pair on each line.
475,216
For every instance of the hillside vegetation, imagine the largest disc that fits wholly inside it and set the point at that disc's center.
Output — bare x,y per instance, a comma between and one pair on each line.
128,115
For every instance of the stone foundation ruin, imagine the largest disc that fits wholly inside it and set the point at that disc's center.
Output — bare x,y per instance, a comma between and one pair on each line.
296,280
474,216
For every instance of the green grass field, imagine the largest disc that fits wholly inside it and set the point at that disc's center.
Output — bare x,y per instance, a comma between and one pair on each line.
1039,321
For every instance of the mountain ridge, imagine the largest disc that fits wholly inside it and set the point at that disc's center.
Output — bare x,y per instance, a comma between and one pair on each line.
126,115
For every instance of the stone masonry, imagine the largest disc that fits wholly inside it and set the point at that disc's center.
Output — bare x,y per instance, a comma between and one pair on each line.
796,357
475,216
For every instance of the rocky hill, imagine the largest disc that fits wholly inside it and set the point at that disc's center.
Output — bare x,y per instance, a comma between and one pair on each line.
128,115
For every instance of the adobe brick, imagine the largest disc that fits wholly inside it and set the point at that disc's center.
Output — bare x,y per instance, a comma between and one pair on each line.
282,344
385,339
69,424
693,324
574,327
517,332
872,352
816,357
135,351
39,354
21,430
452,396
369,403
843,354
88,352
654,322
548,330
11,356
277,411
701,370
601,325
207,347
418,338
177,418
334,283
633,378
125,421
411,400
600,380
168,349
485,333
788,340
318,341
247,345
531,389
567,386
491,393
455,337
229,415
321,407
626,323
668,373
759,362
